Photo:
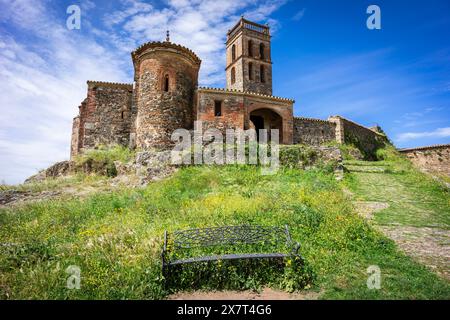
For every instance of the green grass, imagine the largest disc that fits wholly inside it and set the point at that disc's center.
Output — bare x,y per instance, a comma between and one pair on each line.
109,153
77,181
414,198
116,238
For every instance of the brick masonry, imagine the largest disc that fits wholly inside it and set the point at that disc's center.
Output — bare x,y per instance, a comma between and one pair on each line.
430,159
239,107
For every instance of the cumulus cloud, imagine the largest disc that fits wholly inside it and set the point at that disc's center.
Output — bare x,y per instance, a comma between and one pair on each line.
438,133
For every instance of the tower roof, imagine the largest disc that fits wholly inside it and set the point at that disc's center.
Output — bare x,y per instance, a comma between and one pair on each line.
165,45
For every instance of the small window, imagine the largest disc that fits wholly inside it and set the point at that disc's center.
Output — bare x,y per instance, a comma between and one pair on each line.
217,108
233,52
262,74
166,83
233,75
261,51
250,48
122,114
250,71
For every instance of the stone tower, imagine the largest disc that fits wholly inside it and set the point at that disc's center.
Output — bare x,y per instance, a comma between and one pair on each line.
166,77
249,66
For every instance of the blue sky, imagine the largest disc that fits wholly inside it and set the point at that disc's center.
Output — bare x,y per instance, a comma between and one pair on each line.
324,57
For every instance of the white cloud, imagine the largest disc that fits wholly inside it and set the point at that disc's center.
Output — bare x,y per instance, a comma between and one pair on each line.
438,133
299,15
200,25
45,81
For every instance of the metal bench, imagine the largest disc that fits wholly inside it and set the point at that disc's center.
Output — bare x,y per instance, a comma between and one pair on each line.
227,236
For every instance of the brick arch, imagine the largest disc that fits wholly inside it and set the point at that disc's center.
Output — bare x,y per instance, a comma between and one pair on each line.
284,113
266,118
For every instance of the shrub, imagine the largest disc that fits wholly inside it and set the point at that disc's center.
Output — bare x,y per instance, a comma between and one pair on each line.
297,156
101,160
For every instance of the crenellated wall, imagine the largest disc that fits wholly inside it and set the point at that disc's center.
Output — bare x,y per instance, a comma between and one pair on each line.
430,159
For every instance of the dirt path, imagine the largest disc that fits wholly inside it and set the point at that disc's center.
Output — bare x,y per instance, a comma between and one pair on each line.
410,217
430,246
265,294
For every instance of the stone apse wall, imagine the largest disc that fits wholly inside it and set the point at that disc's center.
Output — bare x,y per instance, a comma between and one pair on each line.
430,159
166,77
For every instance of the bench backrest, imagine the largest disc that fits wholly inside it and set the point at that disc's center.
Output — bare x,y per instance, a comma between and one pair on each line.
229,235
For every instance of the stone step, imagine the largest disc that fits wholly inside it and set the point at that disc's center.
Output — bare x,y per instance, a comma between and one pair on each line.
365,163
353,168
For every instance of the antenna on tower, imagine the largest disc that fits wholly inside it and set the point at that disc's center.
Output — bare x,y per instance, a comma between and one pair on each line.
167,36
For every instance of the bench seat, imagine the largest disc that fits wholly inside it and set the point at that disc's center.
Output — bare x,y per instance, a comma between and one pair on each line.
227,236
230,257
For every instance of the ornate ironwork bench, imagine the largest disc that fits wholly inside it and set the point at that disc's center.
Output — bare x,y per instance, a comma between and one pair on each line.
227,236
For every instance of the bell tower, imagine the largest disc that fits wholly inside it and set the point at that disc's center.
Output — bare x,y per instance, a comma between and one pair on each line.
249,65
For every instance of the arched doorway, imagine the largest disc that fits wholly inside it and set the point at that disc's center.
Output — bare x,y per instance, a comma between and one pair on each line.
266,119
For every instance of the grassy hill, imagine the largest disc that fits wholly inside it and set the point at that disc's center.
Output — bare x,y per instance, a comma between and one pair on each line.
115,237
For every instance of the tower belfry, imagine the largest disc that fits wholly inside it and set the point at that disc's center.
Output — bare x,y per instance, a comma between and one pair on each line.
249,64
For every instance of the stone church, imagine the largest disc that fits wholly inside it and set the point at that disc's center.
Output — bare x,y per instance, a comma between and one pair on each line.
165,96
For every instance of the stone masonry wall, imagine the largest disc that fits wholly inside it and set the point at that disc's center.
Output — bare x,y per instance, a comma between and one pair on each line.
74,143
104,117
430,159
365,139
313,131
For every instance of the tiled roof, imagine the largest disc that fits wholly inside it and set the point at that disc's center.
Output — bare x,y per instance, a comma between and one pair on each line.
167,44
249,93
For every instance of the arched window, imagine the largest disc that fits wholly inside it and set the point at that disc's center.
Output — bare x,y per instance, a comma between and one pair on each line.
261,51
250,48
233,52
217,108
262,74
166,83
250,71
233,75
